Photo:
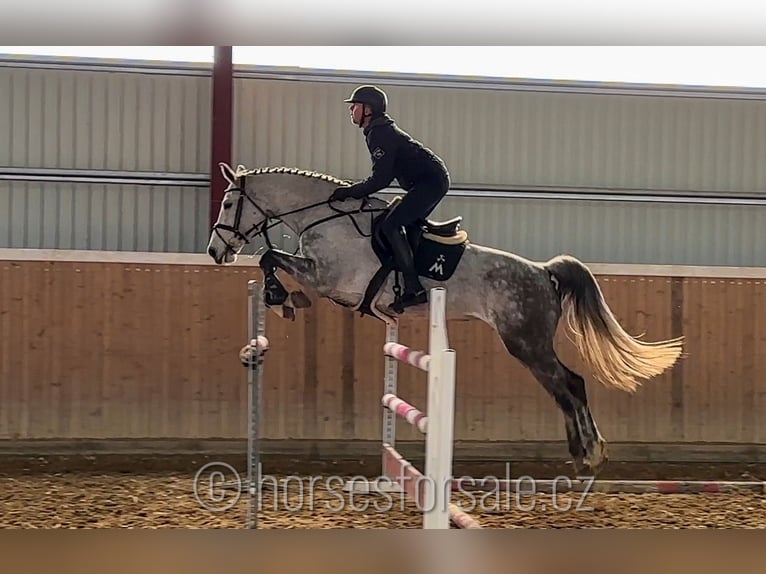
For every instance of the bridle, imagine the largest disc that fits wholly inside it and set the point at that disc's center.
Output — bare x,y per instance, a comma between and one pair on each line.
262,227
234,229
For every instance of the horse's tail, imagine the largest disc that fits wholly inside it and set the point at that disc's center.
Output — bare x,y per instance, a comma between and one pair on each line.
616,358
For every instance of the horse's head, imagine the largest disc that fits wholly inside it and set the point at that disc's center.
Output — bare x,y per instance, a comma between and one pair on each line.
295,197
238,219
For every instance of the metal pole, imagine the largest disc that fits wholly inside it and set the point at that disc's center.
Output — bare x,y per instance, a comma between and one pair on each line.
256,329
389,386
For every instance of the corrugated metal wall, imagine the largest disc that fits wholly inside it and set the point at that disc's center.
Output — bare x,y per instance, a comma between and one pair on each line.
127,126
521,140
517,139
104,120
59,128
50,215
616,231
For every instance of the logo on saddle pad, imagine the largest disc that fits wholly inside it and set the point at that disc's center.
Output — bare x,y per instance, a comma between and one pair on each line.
437,257
438,266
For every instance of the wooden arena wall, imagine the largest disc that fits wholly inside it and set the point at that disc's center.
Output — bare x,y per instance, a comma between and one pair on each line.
145,348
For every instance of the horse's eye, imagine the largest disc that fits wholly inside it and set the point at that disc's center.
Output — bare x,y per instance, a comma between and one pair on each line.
227,205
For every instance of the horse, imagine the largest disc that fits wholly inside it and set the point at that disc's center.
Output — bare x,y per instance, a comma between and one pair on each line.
341,258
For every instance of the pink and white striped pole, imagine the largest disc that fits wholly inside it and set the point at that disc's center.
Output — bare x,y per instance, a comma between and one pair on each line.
405,410
419,359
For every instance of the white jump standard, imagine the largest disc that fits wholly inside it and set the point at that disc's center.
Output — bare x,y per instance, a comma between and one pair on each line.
431,490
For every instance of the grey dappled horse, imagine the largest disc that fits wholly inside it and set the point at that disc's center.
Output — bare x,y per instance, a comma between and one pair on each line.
520,299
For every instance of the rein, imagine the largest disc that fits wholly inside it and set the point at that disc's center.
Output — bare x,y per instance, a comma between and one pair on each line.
262,228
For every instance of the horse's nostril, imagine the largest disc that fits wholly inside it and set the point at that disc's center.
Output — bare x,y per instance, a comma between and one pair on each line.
211,251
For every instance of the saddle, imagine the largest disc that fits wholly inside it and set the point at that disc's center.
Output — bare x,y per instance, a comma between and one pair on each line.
449,229
437,247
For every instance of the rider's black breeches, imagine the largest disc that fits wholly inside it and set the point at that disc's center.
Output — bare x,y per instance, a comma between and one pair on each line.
416,205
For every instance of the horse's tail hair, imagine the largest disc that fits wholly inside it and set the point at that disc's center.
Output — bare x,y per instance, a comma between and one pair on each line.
616,358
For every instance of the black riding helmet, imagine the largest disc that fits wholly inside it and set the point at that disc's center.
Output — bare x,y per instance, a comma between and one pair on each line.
371,96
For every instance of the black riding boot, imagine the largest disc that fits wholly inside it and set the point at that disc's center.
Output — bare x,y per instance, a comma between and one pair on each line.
414,293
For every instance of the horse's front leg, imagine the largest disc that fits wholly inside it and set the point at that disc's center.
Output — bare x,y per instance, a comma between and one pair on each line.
302,269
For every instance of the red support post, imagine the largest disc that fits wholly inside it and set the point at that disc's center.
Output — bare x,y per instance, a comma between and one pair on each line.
221,132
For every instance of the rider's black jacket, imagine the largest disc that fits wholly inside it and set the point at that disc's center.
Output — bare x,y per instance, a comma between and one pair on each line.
395,154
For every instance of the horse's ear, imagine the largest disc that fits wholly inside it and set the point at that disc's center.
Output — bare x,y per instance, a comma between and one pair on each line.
227,172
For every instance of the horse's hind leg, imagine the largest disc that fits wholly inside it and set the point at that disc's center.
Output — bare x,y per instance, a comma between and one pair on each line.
586,446
590,445
593,443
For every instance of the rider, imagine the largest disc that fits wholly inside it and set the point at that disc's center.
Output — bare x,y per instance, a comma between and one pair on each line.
419,171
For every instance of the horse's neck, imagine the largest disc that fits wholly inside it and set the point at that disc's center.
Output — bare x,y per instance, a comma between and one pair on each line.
326,216
299,210
299,221
291,196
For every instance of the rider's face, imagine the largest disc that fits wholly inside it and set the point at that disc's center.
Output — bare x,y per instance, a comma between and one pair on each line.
357,112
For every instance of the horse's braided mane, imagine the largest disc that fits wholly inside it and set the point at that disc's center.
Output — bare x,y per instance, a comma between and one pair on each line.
242,170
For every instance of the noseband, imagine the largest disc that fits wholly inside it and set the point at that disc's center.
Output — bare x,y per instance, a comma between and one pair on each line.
254,231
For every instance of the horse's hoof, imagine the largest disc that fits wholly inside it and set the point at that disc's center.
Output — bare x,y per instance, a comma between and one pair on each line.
597,458
578,466
274,293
